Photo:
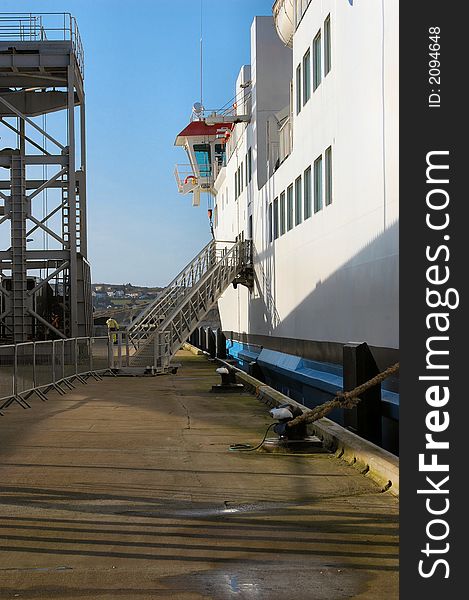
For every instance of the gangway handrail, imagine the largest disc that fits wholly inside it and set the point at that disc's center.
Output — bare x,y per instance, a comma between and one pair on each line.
142,327
171,284
192,307
212,285
38,366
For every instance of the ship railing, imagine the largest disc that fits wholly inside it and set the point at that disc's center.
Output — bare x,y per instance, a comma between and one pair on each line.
39,27
229,111
154,338
212,113
185,177
179,325
37,367
239,105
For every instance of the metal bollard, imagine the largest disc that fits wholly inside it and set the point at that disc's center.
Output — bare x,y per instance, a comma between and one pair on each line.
228,381
358,367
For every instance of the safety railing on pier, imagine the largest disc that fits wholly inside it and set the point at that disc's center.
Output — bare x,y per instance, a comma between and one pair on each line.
37,367
32,27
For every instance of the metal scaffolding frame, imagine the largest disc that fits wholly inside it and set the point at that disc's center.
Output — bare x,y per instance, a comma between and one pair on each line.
41,72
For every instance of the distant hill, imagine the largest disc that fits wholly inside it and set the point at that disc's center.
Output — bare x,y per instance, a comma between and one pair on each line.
121,295
124,301
123,286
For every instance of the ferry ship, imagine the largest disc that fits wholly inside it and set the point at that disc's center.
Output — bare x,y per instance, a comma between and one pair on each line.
304,162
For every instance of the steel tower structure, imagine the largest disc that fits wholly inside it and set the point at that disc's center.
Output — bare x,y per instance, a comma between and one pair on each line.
45,285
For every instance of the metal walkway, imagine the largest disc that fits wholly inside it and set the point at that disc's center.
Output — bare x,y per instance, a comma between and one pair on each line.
157,333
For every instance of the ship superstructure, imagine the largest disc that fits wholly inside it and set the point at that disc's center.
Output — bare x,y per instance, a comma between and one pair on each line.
305,164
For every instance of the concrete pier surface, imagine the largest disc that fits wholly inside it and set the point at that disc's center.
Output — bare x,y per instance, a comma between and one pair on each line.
126,489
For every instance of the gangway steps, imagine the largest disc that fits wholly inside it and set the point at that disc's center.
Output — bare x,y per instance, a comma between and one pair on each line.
158,332
142,327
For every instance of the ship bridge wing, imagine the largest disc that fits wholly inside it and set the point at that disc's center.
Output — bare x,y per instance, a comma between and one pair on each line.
205,145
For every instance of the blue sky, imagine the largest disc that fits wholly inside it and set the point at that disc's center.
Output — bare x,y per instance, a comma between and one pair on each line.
141,79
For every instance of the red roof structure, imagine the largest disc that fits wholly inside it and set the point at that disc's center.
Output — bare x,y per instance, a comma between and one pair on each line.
200,129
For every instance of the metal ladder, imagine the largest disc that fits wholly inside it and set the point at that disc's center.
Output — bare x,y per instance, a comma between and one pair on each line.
158,332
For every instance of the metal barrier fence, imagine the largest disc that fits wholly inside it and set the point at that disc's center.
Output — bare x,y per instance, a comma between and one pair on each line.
34,366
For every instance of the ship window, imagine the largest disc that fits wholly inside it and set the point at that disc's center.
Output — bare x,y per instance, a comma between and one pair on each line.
327,45
318,184
328,176
298,204
317,60
269,222
307,193
298,88
282,213
275,218
289,207
249,163
306,76
202,156
220,154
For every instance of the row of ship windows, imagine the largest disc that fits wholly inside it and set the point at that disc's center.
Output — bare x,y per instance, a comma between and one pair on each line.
242,178
303,70
294,205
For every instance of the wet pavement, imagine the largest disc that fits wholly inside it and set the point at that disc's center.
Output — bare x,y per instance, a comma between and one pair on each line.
127,489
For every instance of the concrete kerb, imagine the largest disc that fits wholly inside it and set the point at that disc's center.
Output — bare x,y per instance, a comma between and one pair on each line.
371,460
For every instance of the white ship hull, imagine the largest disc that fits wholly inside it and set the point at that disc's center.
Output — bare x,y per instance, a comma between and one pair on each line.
333,277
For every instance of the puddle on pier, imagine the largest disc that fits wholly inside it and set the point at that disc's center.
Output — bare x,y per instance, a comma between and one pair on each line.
301,580
197,511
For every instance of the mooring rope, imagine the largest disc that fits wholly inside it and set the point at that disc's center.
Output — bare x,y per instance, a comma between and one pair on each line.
343,399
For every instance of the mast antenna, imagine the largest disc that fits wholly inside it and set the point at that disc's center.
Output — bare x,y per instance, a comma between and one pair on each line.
201,55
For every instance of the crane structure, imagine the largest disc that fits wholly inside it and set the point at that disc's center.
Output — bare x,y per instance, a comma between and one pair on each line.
45,288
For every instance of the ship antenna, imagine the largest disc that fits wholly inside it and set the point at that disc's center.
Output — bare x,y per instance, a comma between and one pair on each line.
201,55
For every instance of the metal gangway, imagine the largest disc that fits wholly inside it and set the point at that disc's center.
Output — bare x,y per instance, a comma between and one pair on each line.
156,334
